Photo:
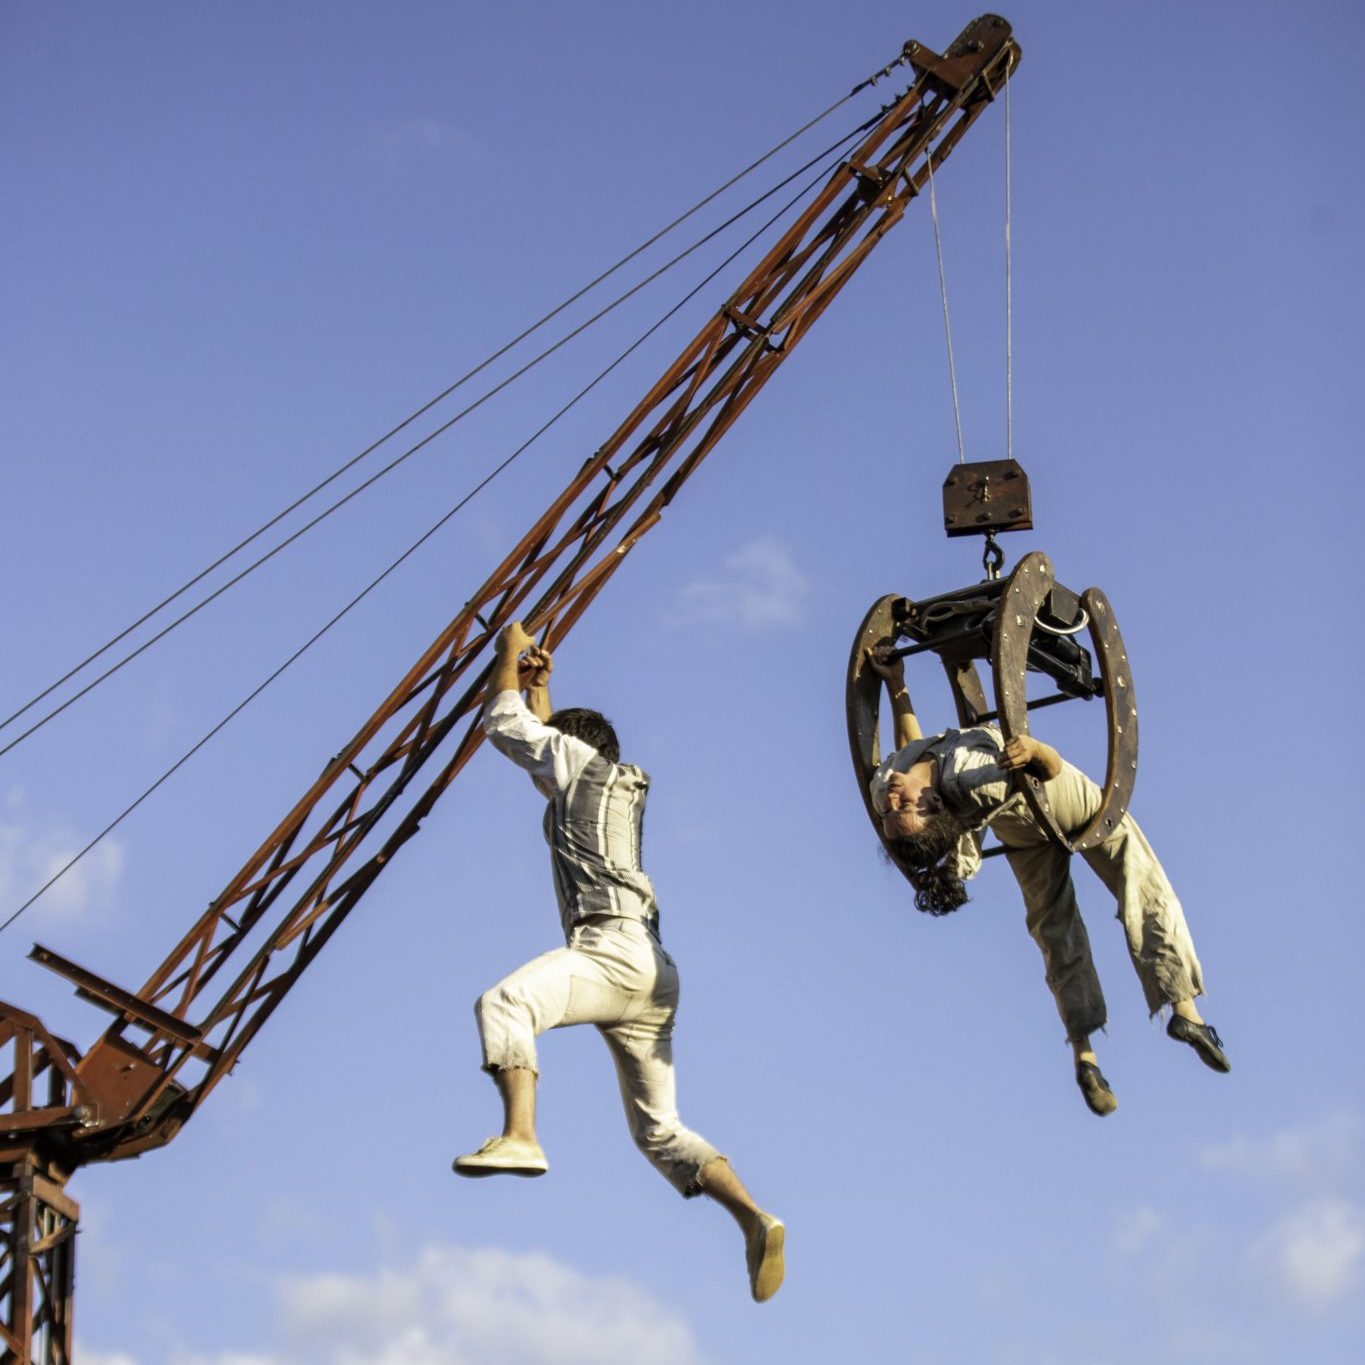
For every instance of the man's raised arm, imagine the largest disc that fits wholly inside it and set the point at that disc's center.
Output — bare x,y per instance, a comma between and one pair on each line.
517,729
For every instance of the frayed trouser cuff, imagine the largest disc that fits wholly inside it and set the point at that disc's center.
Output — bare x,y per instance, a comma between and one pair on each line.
1076,1032
687,1179
511,1061
508,1054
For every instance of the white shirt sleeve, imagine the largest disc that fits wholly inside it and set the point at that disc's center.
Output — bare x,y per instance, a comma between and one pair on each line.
553,759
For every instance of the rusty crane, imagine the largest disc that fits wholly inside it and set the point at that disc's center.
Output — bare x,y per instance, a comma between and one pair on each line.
172,1040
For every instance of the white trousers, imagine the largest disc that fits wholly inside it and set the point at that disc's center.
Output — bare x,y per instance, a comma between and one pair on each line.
615,974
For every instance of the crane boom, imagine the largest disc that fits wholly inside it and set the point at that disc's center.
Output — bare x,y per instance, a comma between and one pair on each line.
173,1040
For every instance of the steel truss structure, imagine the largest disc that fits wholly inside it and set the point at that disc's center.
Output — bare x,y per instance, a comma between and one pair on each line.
171,1041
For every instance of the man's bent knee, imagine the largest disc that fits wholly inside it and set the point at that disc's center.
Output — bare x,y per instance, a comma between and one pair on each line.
679,1155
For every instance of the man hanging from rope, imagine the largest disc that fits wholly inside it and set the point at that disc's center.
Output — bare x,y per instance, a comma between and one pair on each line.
935,797
614,972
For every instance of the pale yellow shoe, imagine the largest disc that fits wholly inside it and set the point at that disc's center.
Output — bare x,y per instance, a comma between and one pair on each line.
763,1251
503,1156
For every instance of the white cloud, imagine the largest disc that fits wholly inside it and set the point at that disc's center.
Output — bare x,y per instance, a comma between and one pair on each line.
1316,1252
457,1307
758,586
35,848
227,1358
397,144
461,1307
1136,1230
84,1356
1313,1153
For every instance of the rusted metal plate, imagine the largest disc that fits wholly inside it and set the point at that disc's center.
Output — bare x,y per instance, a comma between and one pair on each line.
982,39
987,495
118,1075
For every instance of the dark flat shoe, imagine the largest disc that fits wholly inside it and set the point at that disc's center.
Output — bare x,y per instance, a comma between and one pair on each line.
1203,1038
1099,1099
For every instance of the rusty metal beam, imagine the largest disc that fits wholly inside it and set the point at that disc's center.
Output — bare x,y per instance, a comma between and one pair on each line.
37,1264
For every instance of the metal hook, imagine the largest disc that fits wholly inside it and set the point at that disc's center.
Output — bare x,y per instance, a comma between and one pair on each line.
992,558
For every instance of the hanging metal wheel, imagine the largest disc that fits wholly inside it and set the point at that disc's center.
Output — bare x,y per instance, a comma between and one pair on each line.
1009,624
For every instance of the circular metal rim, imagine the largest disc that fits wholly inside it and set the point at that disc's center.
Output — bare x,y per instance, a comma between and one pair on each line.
862,708
1028,585
1121,718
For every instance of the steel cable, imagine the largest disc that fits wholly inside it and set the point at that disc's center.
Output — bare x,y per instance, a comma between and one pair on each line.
947,324
444,394
395,462
1009,282
421,540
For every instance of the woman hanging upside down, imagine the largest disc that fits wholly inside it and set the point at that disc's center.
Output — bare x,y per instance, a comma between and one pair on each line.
935,797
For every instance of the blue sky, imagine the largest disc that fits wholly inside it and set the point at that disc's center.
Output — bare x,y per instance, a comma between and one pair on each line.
241,241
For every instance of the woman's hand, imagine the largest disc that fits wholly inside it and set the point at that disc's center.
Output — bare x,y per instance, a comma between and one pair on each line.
892,671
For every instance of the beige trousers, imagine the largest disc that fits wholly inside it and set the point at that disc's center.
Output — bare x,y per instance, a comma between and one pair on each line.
1153,922
615,974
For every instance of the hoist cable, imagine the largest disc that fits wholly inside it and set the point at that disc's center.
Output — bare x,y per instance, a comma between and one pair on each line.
406,454
420,541
947,325
1009,286
451,388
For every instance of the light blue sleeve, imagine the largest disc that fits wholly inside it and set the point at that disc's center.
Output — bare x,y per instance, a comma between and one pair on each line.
972,782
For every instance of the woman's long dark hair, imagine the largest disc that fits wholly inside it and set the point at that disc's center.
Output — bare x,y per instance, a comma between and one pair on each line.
929,858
